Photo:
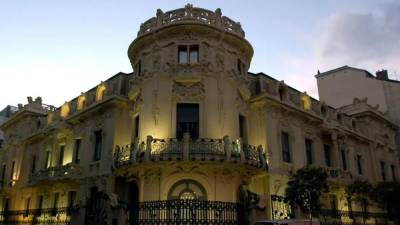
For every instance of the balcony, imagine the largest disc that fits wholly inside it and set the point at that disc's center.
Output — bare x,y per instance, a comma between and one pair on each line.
336,174
55,173
221,150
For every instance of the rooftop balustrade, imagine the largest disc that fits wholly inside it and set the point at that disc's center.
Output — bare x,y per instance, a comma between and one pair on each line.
202,149
193,15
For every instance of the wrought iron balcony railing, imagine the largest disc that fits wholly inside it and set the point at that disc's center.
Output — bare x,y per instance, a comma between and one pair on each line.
59,216
187,149
55,173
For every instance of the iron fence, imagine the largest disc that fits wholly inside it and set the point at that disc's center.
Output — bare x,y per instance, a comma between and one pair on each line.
49,216
193,212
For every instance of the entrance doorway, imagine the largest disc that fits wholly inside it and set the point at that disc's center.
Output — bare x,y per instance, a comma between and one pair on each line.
128,191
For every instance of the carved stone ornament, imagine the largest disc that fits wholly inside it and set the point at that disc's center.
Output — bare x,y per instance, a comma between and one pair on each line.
193,92
244,92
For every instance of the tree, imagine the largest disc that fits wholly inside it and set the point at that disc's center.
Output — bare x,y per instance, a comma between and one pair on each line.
305,188
360,191
387,195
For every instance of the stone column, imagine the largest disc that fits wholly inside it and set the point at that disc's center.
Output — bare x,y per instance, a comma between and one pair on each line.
186,140
148,148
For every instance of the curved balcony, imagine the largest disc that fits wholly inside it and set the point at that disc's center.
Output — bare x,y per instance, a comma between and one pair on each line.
193,15
187,149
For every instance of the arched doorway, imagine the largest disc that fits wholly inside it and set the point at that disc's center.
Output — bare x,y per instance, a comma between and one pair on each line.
187,203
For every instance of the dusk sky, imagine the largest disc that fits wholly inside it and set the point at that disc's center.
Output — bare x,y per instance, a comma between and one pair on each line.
58,49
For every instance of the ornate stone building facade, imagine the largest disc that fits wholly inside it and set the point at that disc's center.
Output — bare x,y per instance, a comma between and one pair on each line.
190,137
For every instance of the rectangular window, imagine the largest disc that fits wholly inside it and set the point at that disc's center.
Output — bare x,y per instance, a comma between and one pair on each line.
241,67
61,156
359,165
182,55
383,172
136,127
97,145
48,160
344,160
393,170
243,128
55,203
309,151
33,166
71,201
285,147
3,175
187,120
6,206
77,150
327,152
12,173
194,54
27,206
40,204
139,68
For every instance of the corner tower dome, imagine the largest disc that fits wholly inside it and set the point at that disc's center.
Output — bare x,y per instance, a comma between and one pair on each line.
186,27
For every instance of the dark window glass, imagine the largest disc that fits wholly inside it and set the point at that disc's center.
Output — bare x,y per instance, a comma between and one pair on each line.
55,203
40,204
243,128
61,156
6,204
393,169
194,54
3,175
327,151
182,55
344,160
33,166
309,151
285,147
77,148
71,201
97,145
383,172
359,166
187,120
239,66
139,68
1,142
27,206
136,128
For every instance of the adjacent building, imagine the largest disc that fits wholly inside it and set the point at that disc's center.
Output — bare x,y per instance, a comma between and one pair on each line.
190,137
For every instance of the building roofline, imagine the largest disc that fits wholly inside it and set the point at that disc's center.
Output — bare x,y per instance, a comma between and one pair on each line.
345,67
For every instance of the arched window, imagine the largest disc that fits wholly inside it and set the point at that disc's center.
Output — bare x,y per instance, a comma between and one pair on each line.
187,190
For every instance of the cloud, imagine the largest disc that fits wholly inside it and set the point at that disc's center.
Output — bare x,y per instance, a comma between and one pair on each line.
367,40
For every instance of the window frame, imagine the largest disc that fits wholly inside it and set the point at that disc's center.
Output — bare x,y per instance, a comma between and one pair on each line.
185,53
286,152
98,145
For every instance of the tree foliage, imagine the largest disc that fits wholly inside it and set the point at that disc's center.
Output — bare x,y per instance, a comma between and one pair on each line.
305,188
359,190
387,195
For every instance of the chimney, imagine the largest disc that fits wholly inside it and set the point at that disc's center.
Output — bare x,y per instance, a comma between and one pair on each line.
382,75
